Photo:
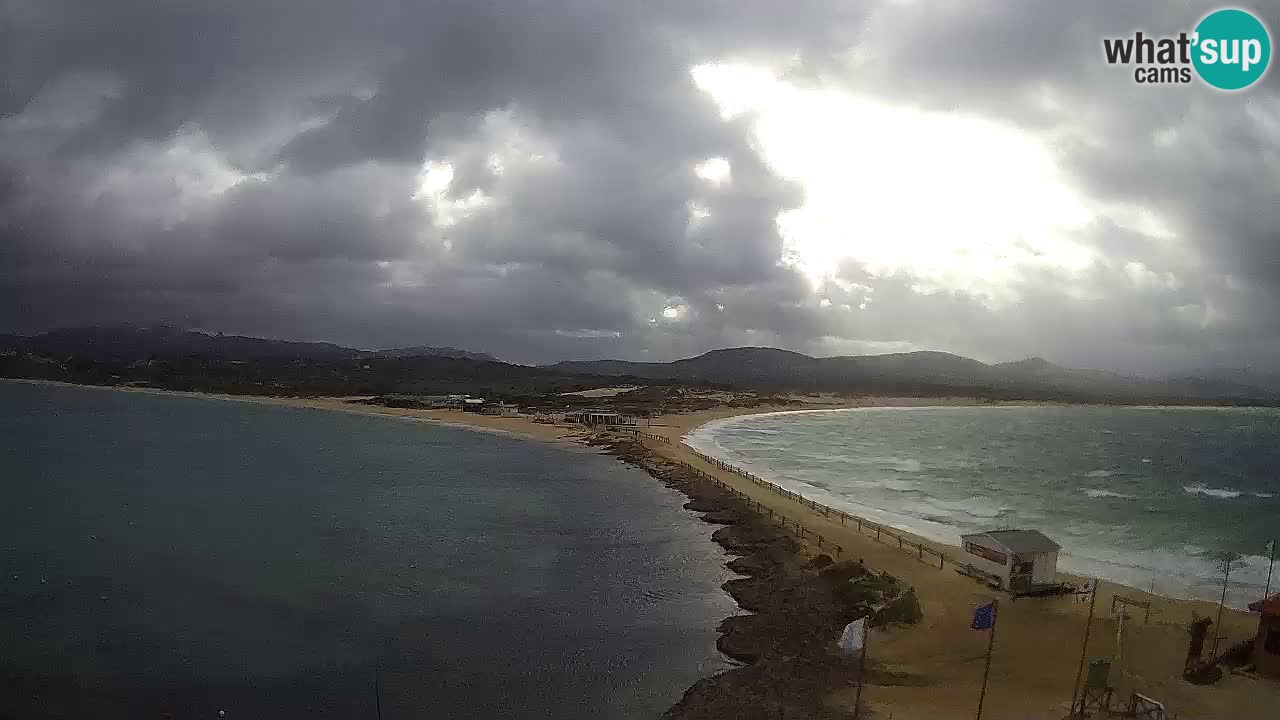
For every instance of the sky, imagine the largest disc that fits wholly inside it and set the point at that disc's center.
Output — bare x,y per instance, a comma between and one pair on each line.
576,179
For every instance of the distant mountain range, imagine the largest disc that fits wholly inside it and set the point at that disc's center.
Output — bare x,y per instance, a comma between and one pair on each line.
118,351
926,372
129,342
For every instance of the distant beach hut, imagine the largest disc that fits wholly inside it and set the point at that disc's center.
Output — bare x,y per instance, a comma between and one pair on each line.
600,417
1018,561
1266,648
499,408
471,404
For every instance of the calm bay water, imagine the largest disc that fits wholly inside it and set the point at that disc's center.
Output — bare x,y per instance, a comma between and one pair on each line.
1147,497
167,554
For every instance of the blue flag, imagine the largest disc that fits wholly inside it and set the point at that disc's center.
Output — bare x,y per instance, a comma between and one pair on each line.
984,617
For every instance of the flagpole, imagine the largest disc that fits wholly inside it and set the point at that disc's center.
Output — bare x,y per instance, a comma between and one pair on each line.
1217,626
1084,646
862,667
991,645
1267,593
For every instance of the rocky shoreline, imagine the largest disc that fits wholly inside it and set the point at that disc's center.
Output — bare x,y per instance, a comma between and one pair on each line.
797,604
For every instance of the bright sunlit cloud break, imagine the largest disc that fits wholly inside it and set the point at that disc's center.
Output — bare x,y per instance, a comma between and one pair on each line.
959,202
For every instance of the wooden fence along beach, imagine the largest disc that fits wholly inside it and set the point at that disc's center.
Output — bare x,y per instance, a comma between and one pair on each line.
882,533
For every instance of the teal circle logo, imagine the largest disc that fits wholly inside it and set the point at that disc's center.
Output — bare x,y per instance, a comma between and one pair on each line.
1232,49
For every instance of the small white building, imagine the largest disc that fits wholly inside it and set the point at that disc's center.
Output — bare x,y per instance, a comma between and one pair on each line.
599,417
500,409
1021,561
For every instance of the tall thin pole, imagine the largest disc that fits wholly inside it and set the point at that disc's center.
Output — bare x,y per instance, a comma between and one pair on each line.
1270,566
862,669
991,646
1124,615
1084,646
1217,626
377,684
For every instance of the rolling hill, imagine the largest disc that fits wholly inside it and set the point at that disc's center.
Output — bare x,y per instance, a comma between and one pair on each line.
924,372
130,342
172,356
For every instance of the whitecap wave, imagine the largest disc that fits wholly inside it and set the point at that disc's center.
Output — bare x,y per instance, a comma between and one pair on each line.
1168,572
916,490
1100,493
1223,493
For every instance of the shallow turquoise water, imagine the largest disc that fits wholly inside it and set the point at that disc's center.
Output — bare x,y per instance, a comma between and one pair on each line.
167,554
1148,497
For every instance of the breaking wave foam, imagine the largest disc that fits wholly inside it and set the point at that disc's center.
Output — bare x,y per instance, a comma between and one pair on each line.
1224,493
1100,493
1123,553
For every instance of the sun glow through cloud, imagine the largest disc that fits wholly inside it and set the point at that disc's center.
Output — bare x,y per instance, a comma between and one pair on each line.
435,181
958,202
715,171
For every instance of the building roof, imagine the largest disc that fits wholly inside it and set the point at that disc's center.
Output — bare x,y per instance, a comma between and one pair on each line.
473,401
1270,606
1018,541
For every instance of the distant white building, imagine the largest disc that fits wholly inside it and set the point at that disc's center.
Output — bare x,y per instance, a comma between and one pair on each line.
1021,561
500,408
599,417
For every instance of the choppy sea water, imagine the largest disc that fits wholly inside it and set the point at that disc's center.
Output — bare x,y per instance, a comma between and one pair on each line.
169,554
1147,497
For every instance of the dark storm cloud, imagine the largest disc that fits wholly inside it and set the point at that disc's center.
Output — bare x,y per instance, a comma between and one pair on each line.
256,167
337,107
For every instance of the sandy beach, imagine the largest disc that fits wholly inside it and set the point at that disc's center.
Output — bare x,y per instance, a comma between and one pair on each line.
1038,647
941,660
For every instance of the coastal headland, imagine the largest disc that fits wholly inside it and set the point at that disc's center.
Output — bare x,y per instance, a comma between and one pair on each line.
926,670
